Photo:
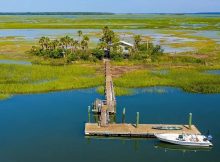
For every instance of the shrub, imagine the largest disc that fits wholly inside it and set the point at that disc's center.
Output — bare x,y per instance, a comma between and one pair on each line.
97,53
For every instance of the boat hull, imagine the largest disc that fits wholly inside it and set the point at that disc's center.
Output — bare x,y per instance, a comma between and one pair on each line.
184,143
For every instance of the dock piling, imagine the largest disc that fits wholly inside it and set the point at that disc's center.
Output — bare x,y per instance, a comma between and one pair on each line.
190,120
123,115
137,119
89,109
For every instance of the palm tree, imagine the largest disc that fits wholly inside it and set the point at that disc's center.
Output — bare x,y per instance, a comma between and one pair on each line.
80,33
110,39
137,41
86,38
41,42
54,44
85,42
44,42
65,41
74,44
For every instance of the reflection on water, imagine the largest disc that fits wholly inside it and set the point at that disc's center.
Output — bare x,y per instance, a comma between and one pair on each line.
135,142
96,118
171,147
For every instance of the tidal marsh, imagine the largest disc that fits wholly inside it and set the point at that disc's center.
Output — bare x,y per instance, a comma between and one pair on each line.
174,32
18,79
191,80
117,21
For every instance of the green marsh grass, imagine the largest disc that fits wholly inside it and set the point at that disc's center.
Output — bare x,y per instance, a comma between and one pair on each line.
119,91
4,96
18,79
190,80
201,44
117,21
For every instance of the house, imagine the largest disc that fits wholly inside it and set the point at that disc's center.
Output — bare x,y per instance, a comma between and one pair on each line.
125,46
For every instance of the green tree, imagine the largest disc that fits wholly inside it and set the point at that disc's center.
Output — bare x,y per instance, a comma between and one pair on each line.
137,41
44,42
74,45
150,51
65,42
85,42
98,54
108,40
54,44
80,33
102,45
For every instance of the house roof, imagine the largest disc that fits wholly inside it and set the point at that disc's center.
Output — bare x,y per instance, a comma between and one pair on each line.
126,43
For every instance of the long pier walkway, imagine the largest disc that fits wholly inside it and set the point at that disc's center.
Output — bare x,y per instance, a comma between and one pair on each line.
109,89
108,106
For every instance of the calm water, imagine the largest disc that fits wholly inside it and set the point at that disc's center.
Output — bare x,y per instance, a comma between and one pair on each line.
215,72
127,35
16,62
209,34
49,127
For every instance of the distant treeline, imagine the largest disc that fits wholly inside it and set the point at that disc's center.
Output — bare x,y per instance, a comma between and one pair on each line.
208,13
94,13
56,13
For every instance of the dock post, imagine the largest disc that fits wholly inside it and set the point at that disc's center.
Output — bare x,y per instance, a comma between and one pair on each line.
89,114
137,119
123,116
190,120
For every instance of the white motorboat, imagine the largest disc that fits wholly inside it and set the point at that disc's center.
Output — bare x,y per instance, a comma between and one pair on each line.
184,139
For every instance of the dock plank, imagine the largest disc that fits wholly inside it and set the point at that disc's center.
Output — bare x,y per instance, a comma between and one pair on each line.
143,130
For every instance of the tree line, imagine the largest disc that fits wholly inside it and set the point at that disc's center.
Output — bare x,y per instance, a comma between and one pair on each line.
109,45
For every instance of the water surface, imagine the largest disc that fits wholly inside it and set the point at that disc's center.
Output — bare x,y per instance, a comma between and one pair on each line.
50,127
16,62
126,35
216,72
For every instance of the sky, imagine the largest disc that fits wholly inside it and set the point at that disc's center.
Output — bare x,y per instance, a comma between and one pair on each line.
115,6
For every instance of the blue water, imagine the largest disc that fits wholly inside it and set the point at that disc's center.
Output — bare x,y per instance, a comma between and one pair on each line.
49,127
16,62
209,34
126,35
215,72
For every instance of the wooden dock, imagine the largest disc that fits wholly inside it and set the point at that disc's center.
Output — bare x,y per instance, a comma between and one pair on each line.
109,89
107,106
130,130
104,127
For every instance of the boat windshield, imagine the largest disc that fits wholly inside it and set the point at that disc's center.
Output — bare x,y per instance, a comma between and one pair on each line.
181,136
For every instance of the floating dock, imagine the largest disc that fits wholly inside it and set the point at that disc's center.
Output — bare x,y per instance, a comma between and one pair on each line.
130,130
